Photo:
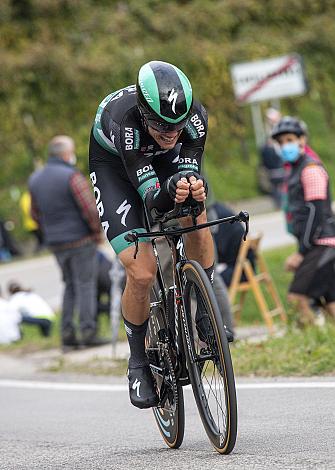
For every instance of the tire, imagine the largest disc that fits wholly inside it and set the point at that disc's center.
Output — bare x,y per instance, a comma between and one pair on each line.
170,414
208,360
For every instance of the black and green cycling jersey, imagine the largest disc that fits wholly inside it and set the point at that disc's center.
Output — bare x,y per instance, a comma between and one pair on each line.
118,128
127,165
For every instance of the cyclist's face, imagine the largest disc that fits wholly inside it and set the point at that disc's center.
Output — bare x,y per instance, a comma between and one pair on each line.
166,140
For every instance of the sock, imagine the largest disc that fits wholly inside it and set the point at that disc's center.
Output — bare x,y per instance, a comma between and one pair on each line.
210,273
136,336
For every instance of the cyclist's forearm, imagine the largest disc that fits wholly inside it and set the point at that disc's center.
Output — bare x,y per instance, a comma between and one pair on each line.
158,202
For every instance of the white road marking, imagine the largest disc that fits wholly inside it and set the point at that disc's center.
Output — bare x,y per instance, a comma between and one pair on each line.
86,387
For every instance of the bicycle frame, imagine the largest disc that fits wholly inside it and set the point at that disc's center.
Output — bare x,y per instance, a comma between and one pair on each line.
175,241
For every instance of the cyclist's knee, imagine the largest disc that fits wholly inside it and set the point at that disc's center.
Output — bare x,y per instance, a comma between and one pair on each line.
142,276
141,272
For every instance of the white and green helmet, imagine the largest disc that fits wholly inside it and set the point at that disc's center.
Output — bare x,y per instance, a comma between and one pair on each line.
164,96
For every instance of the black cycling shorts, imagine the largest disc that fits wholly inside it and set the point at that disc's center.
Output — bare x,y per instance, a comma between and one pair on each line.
315,277
119,205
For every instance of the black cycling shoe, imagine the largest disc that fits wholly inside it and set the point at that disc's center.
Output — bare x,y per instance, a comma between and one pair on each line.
142,388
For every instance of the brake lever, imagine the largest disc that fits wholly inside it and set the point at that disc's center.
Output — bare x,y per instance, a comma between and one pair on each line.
132,238
244,217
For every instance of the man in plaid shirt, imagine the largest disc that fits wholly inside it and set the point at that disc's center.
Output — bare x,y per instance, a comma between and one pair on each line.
64,207
313,223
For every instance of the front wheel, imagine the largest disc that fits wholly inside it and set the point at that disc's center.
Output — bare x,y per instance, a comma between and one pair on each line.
208,358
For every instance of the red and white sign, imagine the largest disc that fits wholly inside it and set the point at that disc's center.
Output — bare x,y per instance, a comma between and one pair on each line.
268,79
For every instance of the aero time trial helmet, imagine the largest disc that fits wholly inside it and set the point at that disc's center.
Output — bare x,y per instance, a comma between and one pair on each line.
287,125
164,96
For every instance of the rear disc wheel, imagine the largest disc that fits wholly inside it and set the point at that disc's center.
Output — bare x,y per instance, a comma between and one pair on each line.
169,414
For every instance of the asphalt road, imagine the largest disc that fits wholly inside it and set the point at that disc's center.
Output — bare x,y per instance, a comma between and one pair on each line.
288,425
43,275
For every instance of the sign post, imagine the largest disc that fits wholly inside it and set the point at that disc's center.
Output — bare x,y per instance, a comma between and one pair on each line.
258,124
269,79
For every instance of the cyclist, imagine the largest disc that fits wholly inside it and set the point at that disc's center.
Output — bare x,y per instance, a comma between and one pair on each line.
146,144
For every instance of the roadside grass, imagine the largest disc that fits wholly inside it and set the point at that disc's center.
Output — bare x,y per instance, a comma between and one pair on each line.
299,353
32,340
96,366
275,262
304,353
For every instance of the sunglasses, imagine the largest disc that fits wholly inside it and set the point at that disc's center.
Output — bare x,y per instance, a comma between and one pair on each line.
165,126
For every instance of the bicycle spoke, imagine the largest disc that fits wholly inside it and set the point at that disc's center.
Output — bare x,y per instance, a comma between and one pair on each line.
204,371
214,394
217,407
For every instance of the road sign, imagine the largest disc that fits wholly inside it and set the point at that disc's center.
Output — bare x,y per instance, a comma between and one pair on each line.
268,79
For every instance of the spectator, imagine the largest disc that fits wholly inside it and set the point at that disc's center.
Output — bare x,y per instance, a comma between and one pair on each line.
9,322
29,223
111,275
104,282
287,168
227,239
64,207
313,223
8,246
271,170
33,309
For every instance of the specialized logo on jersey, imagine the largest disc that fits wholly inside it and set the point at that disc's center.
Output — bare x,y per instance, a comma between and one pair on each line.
123,208
172,99
136,386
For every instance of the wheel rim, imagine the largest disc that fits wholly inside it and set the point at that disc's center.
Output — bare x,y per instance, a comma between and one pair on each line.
208,373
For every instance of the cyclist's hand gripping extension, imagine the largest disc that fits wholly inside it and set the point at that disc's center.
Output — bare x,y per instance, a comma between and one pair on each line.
176,189
198,186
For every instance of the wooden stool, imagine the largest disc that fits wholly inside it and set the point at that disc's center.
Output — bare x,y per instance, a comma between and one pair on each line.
254,282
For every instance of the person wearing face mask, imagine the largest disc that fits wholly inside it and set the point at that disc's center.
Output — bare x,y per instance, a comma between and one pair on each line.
64,207
312,222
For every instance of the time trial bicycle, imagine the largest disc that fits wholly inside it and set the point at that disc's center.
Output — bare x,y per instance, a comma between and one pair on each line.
187,341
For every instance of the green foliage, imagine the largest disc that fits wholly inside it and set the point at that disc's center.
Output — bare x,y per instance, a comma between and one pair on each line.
299,353
61,57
